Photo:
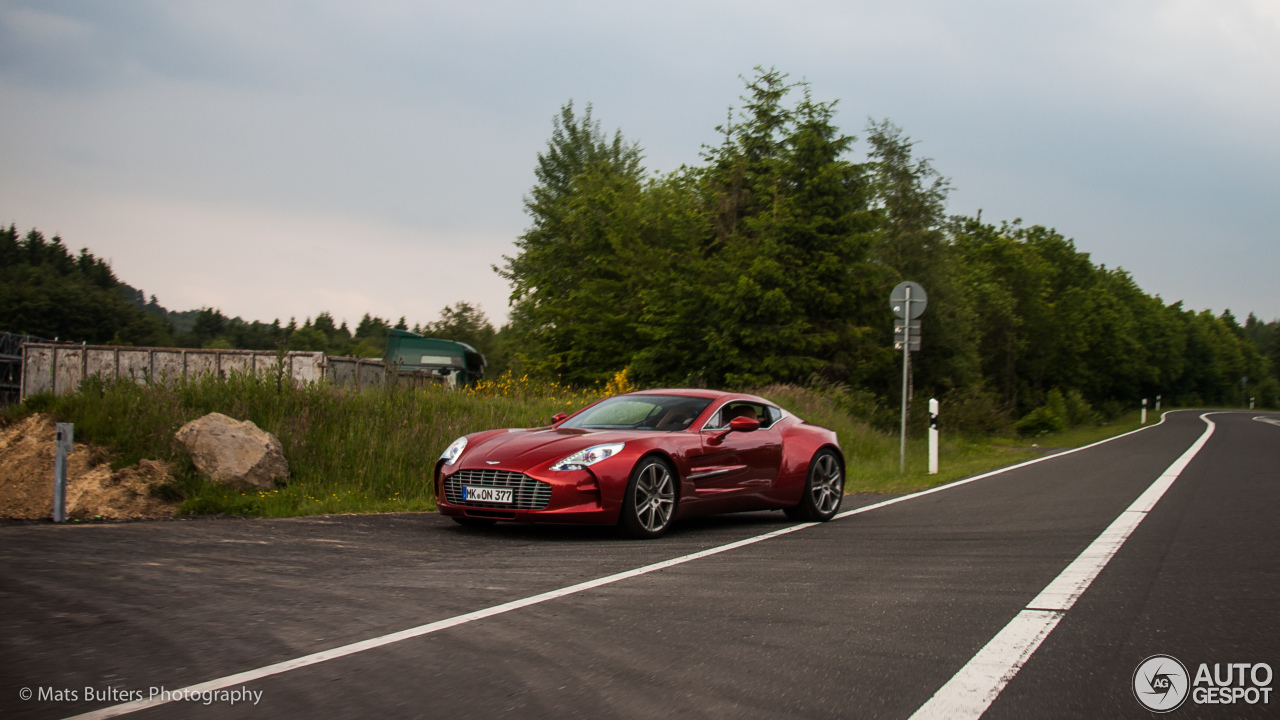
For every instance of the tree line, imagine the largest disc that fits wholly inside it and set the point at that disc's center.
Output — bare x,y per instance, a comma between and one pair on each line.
772,259
769,261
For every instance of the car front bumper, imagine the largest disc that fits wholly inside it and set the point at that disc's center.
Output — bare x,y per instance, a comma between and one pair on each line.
565,497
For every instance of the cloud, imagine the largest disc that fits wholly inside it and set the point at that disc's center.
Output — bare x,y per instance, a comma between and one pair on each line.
245,260
1134,126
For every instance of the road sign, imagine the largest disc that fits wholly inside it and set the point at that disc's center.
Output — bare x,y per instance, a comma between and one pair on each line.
898,299
900,331
914,343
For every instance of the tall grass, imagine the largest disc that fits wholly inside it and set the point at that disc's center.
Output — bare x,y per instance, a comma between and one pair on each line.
872,456
367,450
374,449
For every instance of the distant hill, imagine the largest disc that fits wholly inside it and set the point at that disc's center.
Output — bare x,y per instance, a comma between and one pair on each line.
182,322
47,291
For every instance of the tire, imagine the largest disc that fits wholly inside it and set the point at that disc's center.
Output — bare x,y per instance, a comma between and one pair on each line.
474,522
650,503
823,490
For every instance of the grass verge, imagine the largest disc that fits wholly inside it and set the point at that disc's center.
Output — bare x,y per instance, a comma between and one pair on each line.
349,451
872,457
374,449
962,457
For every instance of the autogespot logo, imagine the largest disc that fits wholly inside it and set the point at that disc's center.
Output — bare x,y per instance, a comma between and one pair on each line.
1160,683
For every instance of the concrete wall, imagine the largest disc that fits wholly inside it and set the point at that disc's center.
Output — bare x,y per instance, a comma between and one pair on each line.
355,371
58,368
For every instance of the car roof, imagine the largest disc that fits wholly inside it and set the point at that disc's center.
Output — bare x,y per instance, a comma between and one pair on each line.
700,393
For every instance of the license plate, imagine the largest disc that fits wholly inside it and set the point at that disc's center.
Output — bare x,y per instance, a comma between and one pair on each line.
488,494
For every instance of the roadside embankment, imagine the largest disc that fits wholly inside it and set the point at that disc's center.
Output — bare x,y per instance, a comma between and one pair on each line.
94,490
374,449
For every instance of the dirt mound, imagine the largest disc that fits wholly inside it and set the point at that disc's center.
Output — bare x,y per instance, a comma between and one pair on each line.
93,490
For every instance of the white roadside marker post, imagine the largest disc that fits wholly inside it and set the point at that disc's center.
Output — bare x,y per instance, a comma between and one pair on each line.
933,436
1158,403
1144,412
62,448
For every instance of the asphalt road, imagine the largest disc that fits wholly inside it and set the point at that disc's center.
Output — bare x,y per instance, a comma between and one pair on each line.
866,616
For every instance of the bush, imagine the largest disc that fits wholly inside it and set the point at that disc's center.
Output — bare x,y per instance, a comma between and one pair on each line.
1110,410
973,412
1079,412
1266,393
1050,417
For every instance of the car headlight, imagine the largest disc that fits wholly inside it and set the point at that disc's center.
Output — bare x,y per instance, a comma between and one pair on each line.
590,456
451,453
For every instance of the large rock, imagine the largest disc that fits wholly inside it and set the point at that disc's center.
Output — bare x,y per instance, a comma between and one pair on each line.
235,453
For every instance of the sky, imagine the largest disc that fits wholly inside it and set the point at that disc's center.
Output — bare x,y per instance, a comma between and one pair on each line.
279,159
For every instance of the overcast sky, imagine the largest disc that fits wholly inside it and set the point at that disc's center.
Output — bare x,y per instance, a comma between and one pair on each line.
280,159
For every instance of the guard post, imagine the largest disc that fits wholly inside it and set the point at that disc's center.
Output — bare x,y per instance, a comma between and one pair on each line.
62,448
1143,421
933,436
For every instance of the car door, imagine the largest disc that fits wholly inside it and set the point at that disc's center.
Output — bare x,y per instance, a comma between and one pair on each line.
737,467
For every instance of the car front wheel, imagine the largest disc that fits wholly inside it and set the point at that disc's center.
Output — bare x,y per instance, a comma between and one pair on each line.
823,490
650,502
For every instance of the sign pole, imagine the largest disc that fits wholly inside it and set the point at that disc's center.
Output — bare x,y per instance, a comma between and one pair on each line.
906,360
908,301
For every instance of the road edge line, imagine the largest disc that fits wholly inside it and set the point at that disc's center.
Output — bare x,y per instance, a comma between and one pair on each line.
1007,468
968,694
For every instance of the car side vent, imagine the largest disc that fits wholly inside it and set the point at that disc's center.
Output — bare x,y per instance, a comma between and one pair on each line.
529,494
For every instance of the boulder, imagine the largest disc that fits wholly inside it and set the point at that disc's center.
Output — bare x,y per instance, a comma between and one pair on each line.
232,452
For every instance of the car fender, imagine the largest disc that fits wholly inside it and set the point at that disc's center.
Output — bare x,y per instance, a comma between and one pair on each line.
613,484
801,443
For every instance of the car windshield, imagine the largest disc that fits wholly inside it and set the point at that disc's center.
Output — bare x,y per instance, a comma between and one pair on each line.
641,412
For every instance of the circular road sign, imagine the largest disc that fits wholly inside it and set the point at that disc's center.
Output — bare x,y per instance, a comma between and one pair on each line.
898,299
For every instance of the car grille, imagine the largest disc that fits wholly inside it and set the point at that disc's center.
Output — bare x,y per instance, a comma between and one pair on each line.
529,494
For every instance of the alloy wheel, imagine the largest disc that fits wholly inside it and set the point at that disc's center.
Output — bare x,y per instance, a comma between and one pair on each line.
828,484
655,497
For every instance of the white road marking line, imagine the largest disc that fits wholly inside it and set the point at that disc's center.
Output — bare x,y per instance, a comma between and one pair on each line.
333,653
973,689
969,693
1268,420
372,643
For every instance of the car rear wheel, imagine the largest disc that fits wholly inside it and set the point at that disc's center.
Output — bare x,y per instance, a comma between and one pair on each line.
650,502
823,490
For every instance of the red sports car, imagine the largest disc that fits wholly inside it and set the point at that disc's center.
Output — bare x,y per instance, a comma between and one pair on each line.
644,459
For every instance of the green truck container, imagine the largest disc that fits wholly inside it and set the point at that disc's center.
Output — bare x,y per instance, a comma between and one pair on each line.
457,362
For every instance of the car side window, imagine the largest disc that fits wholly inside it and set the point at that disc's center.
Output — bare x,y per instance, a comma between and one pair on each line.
767,415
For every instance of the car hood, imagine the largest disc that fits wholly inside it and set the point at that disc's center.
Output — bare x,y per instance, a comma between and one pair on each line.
523,449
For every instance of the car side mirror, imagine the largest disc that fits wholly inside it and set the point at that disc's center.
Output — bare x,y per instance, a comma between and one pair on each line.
738,424
558,417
